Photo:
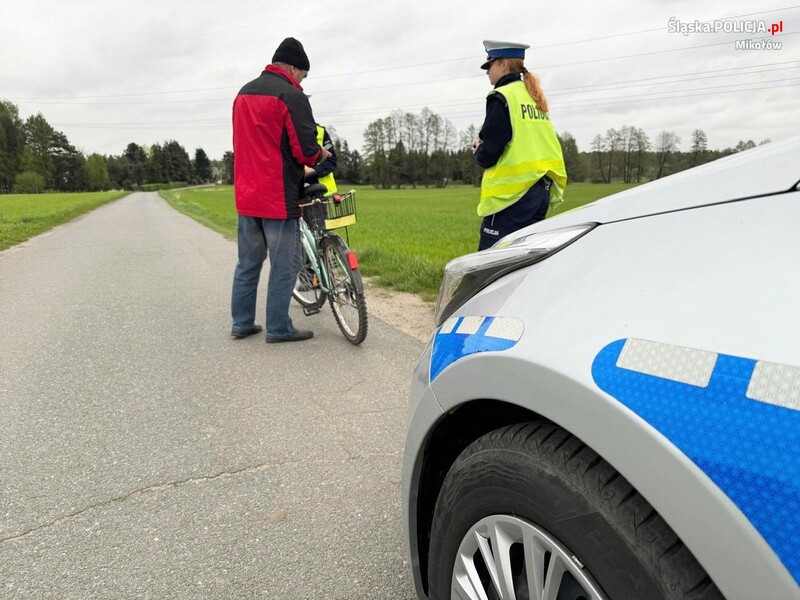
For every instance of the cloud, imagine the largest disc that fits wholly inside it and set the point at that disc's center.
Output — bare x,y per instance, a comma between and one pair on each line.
107,73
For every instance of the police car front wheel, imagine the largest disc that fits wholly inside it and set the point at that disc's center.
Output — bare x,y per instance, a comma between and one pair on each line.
530,509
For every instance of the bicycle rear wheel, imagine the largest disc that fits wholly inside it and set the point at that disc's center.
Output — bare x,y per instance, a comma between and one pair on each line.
307,290
347,290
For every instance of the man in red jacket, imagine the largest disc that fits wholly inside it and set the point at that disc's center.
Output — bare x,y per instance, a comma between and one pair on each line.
274,139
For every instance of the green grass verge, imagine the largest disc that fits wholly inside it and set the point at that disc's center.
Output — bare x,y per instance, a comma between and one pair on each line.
404,237
23,216
156,187
212,206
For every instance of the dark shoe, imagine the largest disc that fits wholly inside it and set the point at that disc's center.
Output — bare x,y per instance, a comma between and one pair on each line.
298,336
239,335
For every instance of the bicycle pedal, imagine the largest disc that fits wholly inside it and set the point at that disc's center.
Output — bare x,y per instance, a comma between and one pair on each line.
310,311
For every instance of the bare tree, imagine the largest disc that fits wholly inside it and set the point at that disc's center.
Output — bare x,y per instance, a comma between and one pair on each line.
642,147
376,147
411,141
467,162
450,135
627,137
666,143
599,147
613,142
699,146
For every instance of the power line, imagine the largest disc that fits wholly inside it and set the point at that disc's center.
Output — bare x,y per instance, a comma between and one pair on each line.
473,57
567,43
56,100
584,62
625,87
461,103
637,85
349,90
567,104
659,94
558,107
597,60
680,97
224,123
440,61
787,62
562,103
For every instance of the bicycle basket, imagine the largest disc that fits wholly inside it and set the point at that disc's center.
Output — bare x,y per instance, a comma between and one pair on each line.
341,213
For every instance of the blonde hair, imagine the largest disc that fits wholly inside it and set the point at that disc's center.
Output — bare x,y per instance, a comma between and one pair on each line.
516,65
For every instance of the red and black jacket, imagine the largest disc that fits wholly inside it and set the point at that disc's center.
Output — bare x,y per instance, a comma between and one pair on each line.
274,136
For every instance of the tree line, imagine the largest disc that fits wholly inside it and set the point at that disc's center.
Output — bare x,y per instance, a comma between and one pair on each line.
629,155
35,157
406,149
400,149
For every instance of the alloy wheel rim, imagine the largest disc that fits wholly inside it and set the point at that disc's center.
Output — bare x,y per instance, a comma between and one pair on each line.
503,557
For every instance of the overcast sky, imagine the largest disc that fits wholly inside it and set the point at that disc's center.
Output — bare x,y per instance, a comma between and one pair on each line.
110,72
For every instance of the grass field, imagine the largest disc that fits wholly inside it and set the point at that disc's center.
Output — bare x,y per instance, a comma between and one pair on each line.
403,237
23,216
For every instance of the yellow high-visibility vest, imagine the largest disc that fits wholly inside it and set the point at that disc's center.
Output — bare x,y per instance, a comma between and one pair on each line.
327,180
532,153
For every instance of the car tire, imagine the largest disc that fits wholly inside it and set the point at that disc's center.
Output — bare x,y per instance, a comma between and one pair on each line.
539,475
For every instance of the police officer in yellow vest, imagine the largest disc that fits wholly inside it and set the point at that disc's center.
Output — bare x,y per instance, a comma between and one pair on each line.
518,147
323,172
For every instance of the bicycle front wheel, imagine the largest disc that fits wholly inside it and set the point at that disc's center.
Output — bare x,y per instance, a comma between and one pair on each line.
346,290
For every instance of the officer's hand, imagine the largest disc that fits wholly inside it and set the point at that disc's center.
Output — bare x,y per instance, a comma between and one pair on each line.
475,145
324,155
309,172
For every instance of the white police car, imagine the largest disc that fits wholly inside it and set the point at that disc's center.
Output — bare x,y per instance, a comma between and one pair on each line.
610,408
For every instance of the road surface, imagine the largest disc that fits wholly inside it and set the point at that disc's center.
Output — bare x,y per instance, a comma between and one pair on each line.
146,454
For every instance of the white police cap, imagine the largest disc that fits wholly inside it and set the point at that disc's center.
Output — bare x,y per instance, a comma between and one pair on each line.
495,50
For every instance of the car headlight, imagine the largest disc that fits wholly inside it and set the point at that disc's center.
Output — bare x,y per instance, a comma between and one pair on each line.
466,275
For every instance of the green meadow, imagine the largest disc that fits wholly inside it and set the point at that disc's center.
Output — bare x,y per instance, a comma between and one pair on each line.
403,238
23,216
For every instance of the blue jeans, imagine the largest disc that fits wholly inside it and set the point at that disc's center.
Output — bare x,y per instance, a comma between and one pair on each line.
257,237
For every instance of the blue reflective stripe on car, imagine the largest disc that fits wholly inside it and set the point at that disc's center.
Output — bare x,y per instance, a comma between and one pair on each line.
461,336
747,441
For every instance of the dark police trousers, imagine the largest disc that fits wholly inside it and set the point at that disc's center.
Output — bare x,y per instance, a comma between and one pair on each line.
529,209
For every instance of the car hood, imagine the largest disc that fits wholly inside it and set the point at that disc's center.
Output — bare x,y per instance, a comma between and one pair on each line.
768,169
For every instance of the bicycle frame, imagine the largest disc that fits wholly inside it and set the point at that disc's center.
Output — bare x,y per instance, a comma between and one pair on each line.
311,245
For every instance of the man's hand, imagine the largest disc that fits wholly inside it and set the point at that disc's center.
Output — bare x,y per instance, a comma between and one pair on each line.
324,154
475,145
309,172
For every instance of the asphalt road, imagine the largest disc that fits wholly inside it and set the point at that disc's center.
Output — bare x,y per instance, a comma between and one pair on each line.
146,454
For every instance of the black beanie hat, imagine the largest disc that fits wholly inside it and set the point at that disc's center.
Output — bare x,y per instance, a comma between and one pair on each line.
291,52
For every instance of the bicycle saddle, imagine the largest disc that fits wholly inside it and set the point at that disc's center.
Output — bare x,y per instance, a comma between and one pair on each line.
316,189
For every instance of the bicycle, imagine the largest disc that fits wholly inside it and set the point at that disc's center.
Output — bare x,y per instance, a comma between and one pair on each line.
330,268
